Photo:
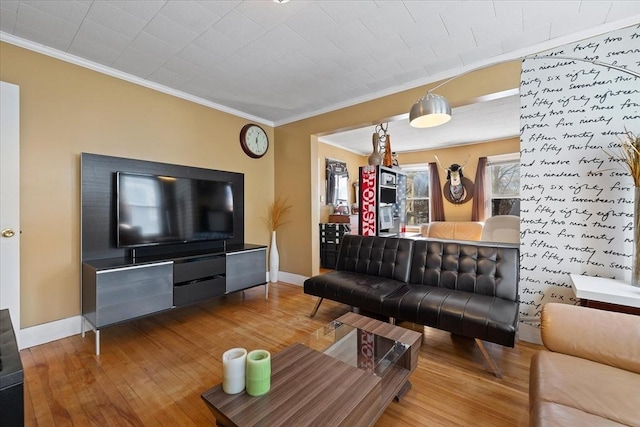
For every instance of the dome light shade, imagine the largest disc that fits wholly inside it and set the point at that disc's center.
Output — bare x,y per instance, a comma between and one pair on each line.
430,111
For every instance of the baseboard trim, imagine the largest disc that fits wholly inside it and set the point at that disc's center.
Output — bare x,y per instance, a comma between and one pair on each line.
47,332
530,332
63,328
294,279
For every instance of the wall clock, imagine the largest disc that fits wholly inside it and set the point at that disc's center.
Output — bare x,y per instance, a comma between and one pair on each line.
254,140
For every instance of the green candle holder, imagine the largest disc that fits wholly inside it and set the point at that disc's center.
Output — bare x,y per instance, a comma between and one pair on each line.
258,373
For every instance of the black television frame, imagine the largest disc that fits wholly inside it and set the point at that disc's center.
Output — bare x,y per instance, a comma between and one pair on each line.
98,199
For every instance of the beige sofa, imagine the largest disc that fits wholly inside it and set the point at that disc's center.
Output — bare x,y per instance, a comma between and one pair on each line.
452,230
590,373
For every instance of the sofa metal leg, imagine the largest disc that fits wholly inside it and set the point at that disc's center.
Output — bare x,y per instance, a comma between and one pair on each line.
315,309
492,364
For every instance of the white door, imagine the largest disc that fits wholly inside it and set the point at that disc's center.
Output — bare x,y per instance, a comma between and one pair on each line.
10,202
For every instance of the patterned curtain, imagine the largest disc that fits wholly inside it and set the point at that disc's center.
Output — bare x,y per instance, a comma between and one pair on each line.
478,209
437,207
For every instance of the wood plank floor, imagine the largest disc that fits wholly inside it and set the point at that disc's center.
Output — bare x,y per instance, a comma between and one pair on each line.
151,371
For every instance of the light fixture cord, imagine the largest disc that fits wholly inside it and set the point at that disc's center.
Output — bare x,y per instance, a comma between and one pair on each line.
591,61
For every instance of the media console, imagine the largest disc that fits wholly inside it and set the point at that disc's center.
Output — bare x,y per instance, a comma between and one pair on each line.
119,289
123,279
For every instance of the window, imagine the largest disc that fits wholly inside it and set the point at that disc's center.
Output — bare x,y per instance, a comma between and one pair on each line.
503,173
417,194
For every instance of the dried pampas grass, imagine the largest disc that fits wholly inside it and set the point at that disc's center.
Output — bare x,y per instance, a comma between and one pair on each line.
276,213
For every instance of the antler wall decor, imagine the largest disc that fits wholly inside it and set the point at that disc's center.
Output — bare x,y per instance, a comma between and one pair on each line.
458,189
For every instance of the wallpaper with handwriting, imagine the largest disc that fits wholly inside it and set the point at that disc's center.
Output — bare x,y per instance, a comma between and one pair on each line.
577,200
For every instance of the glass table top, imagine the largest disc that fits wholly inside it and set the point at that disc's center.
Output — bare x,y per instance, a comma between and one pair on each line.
356,347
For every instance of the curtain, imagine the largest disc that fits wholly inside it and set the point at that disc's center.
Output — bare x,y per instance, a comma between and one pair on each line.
478,210
437,207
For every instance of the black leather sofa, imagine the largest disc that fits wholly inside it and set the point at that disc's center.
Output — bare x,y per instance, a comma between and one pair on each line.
466,288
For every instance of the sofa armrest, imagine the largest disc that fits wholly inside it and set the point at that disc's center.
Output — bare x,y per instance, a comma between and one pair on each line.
601,336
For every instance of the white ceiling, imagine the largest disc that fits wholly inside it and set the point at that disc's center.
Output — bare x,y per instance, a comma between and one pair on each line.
278,63
488,120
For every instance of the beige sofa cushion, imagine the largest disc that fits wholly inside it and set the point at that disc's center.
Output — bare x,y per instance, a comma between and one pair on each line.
452,230
598,390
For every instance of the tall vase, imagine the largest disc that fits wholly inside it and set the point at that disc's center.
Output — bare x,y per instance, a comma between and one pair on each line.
635,261
274,259
375,158
387,159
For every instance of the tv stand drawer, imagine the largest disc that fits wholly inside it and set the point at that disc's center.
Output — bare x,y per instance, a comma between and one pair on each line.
198,290
188,270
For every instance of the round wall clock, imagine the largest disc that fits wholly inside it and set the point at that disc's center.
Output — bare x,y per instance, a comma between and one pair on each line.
254,140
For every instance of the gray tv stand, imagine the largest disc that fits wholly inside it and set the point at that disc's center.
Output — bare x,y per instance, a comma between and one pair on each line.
116,290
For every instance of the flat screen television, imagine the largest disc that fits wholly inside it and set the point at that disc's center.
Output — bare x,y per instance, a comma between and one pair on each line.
158,210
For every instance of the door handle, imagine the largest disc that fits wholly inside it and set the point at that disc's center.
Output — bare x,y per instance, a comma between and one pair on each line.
7,232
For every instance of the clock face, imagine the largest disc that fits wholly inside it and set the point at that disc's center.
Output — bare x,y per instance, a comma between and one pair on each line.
254,140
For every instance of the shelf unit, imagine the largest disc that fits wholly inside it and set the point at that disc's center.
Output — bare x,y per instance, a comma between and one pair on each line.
118,289
381,187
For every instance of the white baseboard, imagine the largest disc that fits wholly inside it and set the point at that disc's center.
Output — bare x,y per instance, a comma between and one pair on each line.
530,332
294,279
47,332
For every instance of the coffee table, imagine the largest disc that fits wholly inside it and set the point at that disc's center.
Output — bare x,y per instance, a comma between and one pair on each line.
344,374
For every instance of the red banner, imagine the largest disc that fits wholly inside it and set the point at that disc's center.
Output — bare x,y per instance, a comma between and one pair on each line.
368,184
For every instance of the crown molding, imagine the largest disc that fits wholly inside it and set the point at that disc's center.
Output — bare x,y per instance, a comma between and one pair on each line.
103,69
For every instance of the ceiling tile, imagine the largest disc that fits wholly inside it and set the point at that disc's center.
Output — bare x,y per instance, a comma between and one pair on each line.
35,34
167,78
220,7
153,46
237,26
94,33
270,15
457,42
283,39
343,12
70,11
9,5
487,50
170,31
623,9
184,68
144,10
313,23
217,43
8,19
198,56
137,62
190,14
94,51
41,24
109,15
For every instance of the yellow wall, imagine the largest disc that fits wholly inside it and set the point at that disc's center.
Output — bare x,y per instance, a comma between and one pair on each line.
467,153
296,179
66,110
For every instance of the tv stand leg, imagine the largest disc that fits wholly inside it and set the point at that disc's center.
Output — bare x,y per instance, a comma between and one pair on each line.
266,290
97,342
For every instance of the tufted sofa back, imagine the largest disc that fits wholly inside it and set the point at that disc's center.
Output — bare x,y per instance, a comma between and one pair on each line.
478,268
376,256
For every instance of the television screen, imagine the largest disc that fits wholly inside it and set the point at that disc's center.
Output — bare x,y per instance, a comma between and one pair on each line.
155,210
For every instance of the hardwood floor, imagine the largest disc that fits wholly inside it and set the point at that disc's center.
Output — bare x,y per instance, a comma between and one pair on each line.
151,371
